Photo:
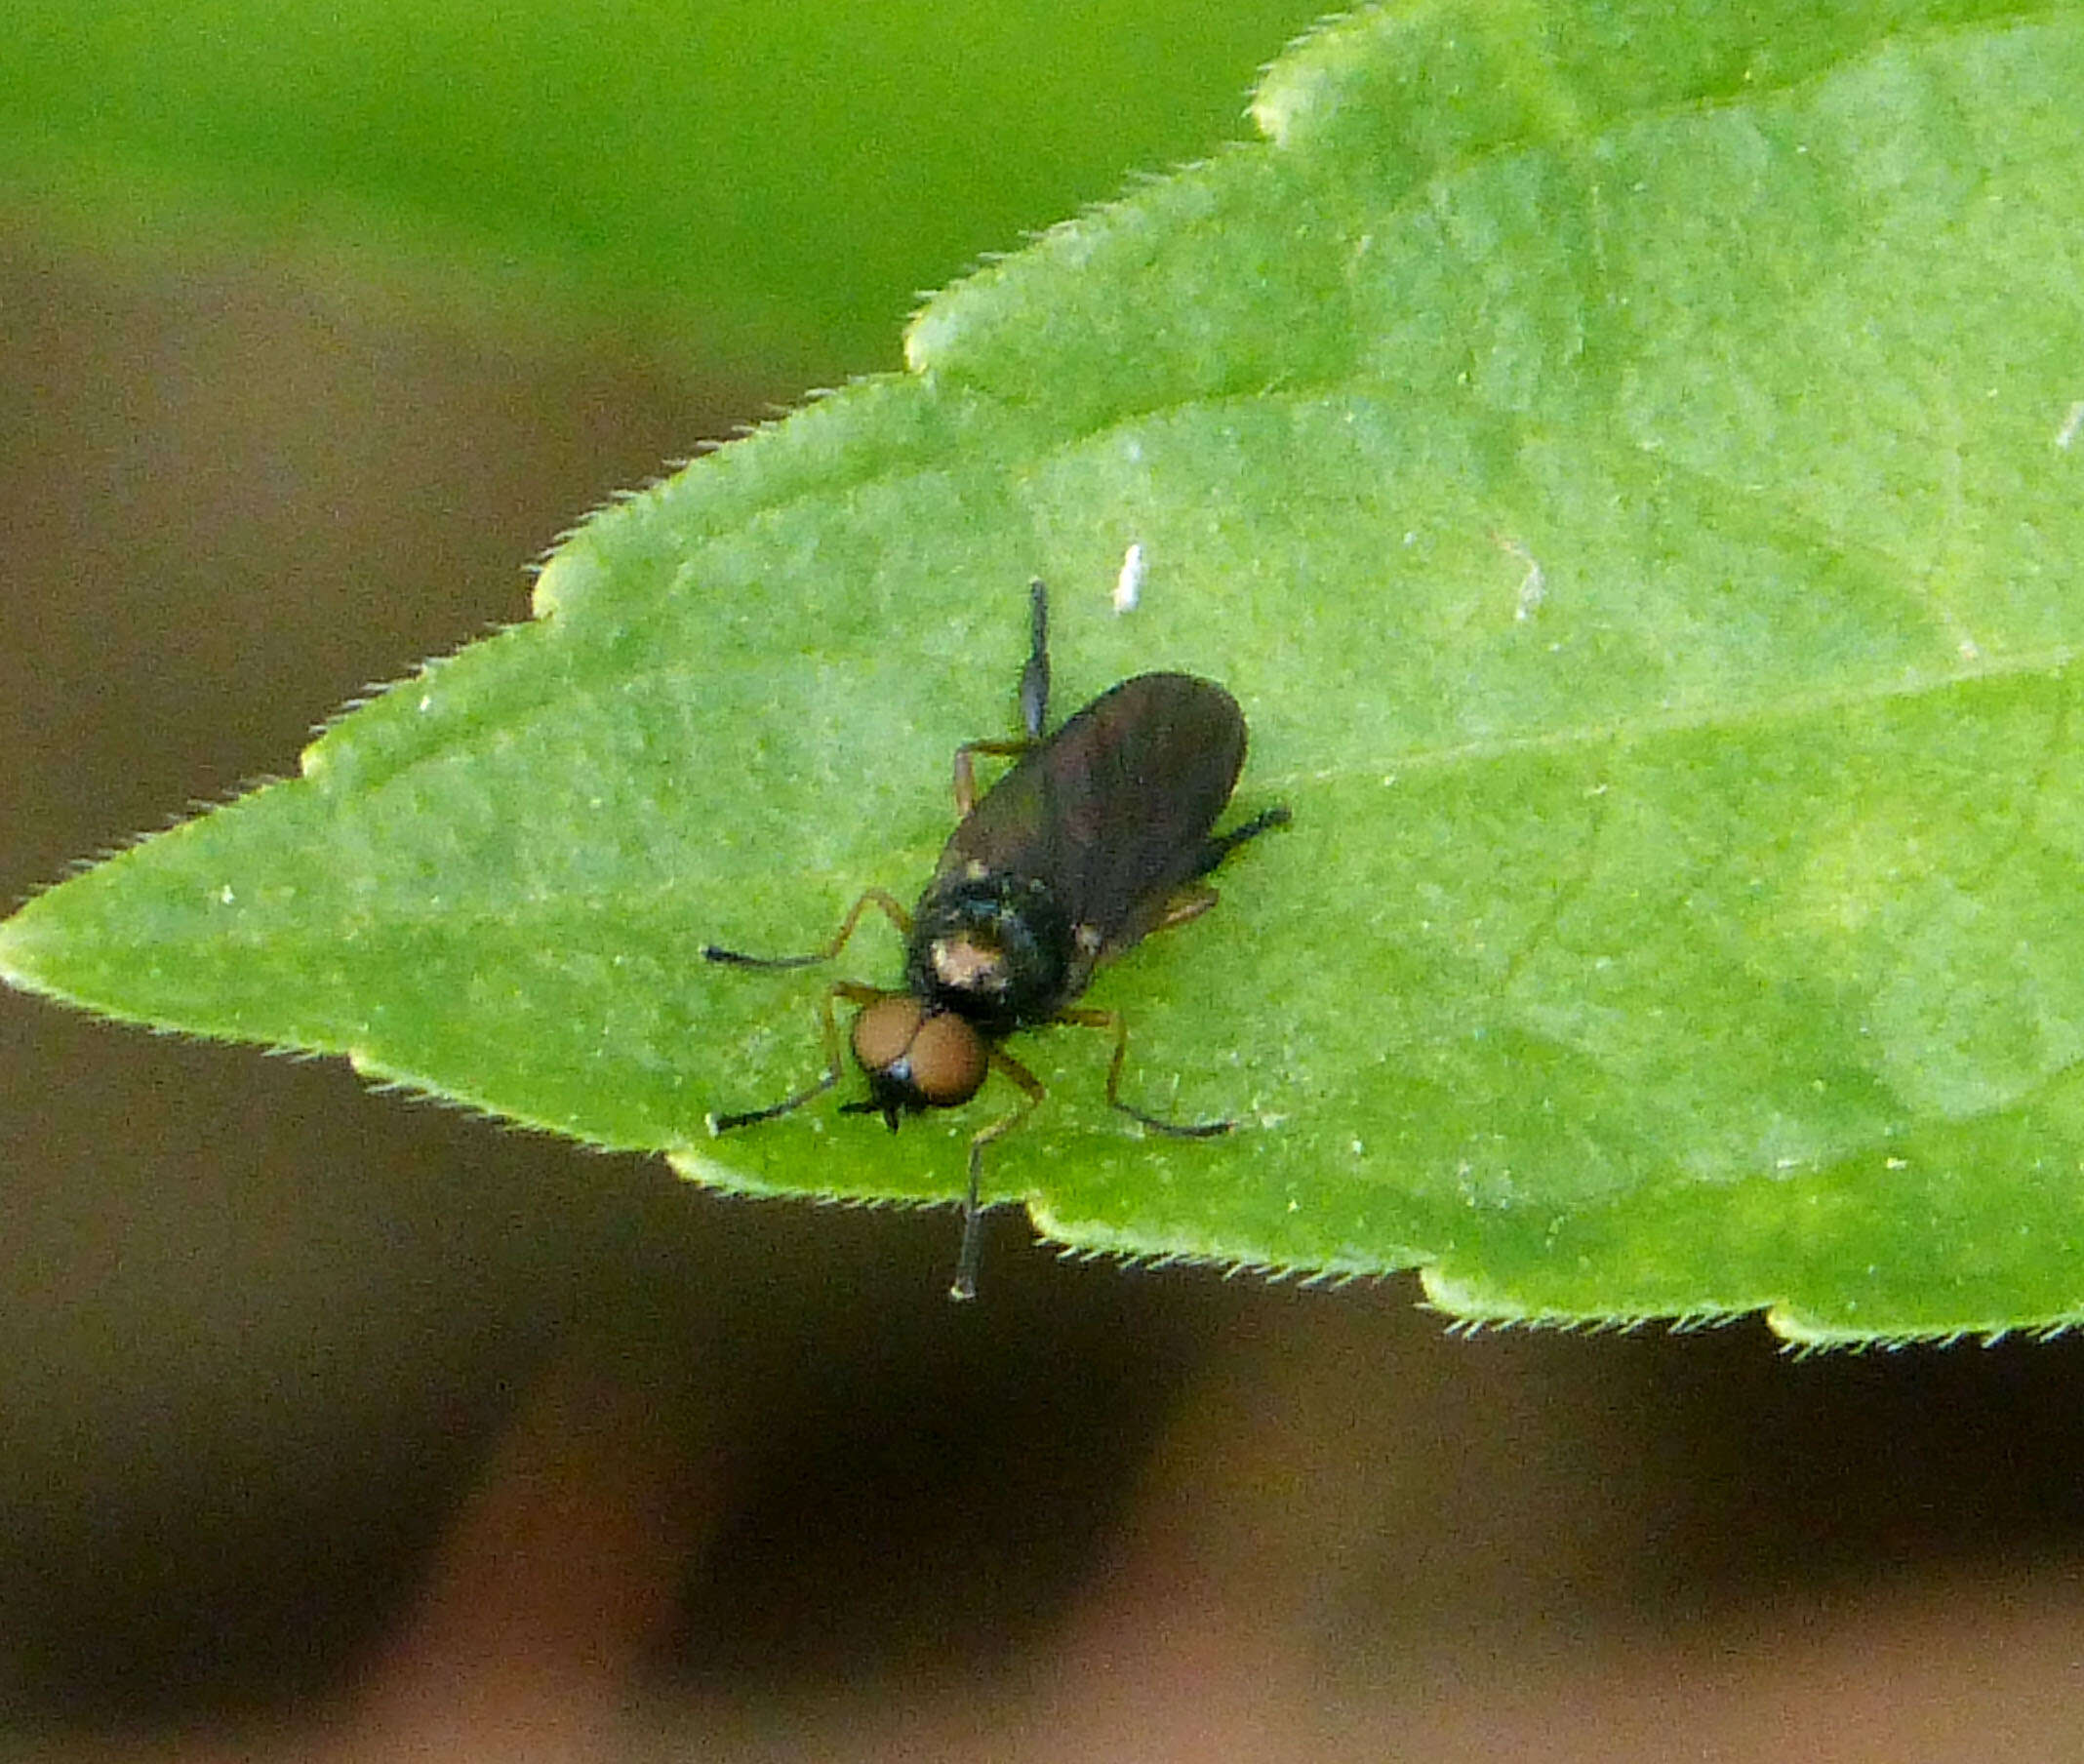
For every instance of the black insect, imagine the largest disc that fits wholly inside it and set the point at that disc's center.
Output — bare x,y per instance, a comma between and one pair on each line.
1098,835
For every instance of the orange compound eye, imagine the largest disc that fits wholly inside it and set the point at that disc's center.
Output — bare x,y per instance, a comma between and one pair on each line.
923,1058
948,1061
883,1032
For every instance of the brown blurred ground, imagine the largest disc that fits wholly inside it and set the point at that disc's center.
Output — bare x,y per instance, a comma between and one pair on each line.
341,1426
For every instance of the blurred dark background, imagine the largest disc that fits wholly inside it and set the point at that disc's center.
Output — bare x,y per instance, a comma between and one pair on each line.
334,1423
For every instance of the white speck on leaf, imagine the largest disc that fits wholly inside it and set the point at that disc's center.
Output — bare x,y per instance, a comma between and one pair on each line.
1534,586
1129,582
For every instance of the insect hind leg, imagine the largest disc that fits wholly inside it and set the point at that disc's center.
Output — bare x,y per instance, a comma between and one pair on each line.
1114,1021
1034,677
1034,707
1220,845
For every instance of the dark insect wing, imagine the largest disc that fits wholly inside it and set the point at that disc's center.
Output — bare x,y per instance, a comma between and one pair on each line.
1113,813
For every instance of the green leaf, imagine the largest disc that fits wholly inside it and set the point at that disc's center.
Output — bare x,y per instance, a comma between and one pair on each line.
1626,461
773,183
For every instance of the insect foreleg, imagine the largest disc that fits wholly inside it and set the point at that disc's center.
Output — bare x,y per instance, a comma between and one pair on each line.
964,1285
854,995
875,896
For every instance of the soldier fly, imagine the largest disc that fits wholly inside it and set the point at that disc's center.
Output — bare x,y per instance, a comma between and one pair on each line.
1097,836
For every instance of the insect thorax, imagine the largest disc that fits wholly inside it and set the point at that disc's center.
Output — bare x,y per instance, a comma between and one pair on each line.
996,948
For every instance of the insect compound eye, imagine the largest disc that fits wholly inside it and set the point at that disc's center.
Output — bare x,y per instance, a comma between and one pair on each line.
917,1058
883,1032
947,1061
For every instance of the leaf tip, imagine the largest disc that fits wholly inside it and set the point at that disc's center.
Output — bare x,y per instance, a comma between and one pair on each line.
931,329
1302,78
1273,109
15,969
562,578
29,944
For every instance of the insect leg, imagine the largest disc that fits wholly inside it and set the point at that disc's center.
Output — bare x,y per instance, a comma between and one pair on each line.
964,1285
965,772
1034,677
1221,844
1191,903
873,896
1034,705
854,995
1195,897
1114,1021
